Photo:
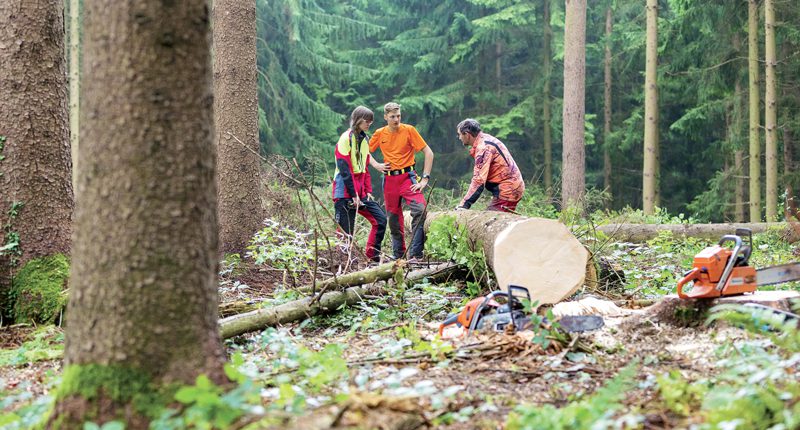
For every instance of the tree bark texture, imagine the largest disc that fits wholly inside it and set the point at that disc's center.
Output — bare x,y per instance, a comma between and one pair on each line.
573,181
34,132
736,134
539,254
74,82
607,105
650,168
770,113
640,233
754,108
144,285
236,117
547,66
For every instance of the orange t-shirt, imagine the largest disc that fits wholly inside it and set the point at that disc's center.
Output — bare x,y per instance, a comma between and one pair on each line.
398,147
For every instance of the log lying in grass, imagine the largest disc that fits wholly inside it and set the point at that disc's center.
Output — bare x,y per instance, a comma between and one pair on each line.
330,301
537,253
297,310
639,233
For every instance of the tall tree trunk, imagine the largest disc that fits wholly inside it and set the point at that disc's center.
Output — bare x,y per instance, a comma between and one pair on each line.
607,105
738,154
755,140
650,169
788,166
771,113
547,60
35,176
498,65
74,81
738,166
573,158
236,119
146,225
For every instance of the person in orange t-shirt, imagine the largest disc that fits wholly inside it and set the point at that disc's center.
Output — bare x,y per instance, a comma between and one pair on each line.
399,143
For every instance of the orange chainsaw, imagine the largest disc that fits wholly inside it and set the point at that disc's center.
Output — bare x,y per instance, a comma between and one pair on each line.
723,271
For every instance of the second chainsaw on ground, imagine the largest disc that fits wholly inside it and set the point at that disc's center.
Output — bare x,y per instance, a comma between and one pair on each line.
723,271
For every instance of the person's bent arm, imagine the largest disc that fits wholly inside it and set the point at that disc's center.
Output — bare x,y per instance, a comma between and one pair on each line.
479,175
381,167
426,171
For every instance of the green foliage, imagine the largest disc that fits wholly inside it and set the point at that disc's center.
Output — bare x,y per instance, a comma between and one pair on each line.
37,291
680,396
47,344
447,240
281,247
593,412
209,406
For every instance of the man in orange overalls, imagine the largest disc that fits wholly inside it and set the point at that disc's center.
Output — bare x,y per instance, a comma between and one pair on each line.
495,169
398,143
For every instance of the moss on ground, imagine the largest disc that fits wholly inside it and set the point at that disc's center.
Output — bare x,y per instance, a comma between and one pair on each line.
37,291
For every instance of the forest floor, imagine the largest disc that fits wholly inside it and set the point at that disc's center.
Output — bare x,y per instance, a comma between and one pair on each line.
381,365
396,372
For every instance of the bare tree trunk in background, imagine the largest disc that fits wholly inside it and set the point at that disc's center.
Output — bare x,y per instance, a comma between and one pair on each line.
771,113
738,166
236,117
573,181
35,177
788,167
142,313
607,105
547,60
650,169
738,152
498,64
74,81
755,140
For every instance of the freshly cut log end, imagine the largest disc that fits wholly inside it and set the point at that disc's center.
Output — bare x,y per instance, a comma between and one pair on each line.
541,255
537,253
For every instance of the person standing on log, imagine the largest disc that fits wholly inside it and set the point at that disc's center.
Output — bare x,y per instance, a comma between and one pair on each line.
352,184
495,169
399,143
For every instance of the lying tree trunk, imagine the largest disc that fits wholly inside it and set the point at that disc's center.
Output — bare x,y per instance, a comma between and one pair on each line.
638,233
297,310
331,300
537,253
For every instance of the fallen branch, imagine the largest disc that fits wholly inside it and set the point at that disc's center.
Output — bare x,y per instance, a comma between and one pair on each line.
297,310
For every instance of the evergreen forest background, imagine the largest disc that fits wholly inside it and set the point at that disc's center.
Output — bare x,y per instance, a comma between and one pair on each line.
452,59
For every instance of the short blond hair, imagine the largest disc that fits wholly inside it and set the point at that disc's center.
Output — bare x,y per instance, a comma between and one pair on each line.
390,107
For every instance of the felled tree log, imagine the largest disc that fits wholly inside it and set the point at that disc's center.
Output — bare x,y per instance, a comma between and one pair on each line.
537,253
638,233
297,310
331,300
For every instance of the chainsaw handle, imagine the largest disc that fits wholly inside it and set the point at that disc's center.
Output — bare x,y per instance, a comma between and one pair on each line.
452,319
691,276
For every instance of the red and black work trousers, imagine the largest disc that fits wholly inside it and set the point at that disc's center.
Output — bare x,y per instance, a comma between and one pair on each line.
396,191
345,214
